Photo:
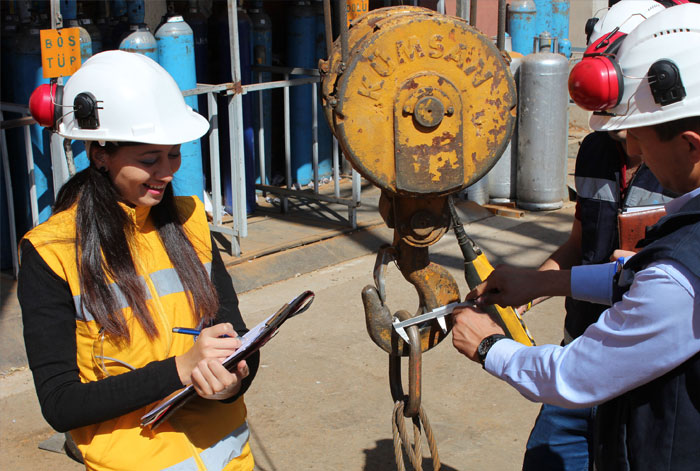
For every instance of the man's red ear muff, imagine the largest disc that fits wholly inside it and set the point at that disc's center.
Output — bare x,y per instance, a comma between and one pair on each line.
595,83
45,104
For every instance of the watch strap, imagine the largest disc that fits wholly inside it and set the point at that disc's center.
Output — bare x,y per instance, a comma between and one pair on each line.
486,345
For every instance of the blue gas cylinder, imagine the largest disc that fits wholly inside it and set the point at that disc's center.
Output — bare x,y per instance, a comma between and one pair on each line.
262,55
553,17
135,11
325,137
69,9
141,41
119,22
523,25
176,54
95,35
301,52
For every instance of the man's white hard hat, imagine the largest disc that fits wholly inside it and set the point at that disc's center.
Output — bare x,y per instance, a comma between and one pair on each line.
670,38
136,100
624,15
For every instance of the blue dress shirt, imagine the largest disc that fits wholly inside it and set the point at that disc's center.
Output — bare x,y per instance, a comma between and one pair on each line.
652,330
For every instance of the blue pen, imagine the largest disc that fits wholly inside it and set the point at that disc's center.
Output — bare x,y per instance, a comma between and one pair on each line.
194,332
184,330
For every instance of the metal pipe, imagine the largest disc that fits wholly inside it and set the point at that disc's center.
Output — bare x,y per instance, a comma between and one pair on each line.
235,109
261,133
343,33
314,134
287,146
328,24
214,161
10,202
336,169
472,13
501,37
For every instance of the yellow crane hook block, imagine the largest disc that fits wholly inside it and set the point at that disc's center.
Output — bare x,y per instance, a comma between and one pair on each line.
425,104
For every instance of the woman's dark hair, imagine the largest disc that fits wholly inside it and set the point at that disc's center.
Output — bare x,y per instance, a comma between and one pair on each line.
103,236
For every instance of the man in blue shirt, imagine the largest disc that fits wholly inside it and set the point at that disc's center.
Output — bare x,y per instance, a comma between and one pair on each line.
641,360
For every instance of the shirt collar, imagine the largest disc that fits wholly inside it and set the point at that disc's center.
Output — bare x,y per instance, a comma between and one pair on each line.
676,204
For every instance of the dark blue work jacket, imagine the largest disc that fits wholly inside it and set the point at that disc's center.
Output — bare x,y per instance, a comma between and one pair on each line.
657,426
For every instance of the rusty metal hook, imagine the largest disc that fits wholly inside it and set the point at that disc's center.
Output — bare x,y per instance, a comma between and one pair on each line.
435,287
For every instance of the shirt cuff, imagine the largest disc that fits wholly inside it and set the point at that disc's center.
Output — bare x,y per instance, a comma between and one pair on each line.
499,354
594,283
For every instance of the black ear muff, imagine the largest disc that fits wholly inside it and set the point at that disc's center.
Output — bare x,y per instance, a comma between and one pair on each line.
85,110
665,82
590,24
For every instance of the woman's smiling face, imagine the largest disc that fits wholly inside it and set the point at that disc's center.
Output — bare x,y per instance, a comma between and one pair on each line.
140,172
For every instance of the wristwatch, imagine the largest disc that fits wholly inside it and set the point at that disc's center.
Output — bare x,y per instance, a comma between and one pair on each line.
486,345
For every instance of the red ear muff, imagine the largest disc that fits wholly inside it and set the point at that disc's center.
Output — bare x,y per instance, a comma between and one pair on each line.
44,104
595,83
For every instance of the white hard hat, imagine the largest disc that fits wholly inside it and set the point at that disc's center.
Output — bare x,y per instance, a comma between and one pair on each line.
660,64
127,97
624,15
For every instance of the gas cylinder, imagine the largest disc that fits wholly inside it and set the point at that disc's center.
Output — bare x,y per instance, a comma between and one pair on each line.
135,11
142,41
262,55
502,176
94,33
301,52
119,21
103,25
176,54
542,131
198,23
523,25
553,17
69,9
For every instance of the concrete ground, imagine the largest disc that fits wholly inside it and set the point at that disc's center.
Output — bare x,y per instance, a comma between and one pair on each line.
321,398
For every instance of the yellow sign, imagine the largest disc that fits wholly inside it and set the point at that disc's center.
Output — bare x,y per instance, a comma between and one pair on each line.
60,51
356,8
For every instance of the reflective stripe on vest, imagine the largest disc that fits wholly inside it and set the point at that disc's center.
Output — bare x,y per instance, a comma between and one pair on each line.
217,456
638,196
165,281
598,189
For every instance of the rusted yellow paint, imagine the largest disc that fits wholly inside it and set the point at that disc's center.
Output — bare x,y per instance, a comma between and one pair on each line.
467,75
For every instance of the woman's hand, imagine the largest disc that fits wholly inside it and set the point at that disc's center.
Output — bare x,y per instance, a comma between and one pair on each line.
214,343
212,380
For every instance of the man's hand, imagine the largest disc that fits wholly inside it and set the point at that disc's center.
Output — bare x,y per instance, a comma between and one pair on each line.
471,326
511,286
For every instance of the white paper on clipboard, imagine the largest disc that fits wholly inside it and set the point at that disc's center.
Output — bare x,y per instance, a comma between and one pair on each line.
252,341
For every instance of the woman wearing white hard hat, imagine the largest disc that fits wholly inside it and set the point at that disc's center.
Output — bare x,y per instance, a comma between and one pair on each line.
640,362
119,265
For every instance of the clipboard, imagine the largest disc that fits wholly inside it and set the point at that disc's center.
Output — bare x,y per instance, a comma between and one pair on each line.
251,343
